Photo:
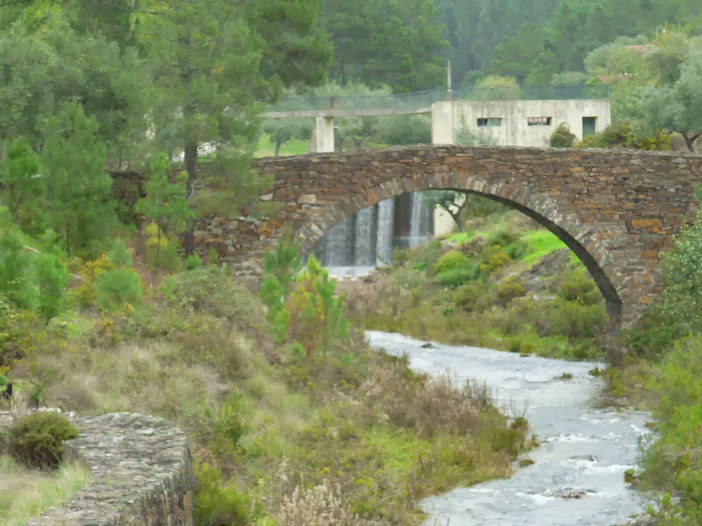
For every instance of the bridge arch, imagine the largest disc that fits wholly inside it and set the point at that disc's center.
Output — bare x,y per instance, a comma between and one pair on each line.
538,206
618,210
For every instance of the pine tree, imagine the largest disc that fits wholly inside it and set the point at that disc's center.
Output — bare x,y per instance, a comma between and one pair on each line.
165,203
77,190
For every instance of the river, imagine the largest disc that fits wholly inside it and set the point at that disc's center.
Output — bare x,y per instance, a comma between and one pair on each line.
584,451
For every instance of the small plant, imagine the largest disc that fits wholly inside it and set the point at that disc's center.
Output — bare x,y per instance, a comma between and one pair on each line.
116,288
193,262
37,440
38,392
451,260
220,504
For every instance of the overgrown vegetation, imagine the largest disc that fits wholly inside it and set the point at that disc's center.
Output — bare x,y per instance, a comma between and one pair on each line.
504,284
288,411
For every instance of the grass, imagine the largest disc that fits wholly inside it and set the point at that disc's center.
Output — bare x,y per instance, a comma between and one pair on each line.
461,237
25,494
293,147
541,243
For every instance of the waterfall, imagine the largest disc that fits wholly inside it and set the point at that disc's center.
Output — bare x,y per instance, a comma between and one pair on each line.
367,239
339,244
386,213
364,246
418,221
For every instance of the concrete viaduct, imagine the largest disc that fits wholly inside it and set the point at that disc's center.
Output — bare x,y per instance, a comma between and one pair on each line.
618,210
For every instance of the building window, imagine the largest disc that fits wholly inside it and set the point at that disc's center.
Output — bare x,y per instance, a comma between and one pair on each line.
539,121
491,121
589,126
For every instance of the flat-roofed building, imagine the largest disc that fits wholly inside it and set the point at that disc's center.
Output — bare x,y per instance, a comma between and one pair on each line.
521,115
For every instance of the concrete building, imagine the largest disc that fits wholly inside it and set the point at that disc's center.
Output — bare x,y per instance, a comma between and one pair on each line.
518,122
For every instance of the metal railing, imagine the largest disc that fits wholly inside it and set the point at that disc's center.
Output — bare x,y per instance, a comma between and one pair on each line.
424,99
390,101
552,92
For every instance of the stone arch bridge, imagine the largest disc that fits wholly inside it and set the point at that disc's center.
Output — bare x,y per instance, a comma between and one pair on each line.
618,210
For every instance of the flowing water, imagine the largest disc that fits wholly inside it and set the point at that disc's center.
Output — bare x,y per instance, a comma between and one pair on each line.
365,240
584,450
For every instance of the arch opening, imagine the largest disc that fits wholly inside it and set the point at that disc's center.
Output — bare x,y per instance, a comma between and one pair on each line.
607,289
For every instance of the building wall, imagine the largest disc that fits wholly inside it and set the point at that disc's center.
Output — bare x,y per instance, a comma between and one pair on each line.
514,129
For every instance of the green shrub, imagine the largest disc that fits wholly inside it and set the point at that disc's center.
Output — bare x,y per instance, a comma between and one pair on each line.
468,297
212,290
510,288
450,261
672,461
579,287
562,137
494,258
37,440
116,288
193,262
503,237
219,504
458,276
161,249
578,321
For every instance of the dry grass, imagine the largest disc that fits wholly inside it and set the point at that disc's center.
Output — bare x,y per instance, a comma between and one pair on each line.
321,505
426,404
25,494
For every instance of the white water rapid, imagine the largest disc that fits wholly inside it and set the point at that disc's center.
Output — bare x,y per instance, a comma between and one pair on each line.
584,450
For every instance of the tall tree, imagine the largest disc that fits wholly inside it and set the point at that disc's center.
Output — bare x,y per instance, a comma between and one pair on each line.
42,70
295,50
378,42
674,101
206,62
77,192
213,62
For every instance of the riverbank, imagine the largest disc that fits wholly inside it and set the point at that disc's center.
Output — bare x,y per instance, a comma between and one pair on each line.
281,432
577,476
504,284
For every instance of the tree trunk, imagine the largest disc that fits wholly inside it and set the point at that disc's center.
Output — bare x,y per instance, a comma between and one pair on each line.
190,161
690,140
459,222
277,148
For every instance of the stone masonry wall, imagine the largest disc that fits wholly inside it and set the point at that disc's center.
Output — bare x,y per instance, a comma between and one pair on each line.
141,470
617,209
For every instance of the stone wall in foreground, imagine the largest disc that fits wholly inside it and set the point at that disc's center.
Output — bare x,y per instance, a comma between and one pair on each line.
141,470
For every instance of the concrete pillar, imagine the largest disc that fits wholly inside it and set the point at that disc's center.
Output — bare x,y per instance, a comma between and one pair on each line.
442,123
324,134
